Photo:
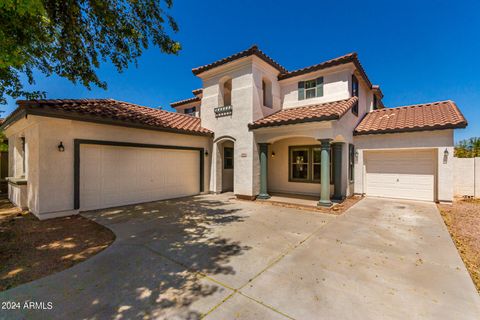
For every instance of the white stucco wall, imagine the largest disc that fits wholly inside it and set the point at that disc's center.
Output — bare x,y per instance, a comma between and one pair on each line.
24,196
336,86
439,140
50,172
18,195
466,177
247,104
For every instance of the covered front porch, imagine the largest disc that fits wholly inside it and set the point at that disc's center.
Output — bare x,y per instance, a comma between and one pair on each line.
304,164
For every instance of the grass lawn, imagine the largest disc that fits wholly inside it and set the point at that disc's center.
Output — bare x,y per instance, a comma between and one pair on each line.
463,221
32,249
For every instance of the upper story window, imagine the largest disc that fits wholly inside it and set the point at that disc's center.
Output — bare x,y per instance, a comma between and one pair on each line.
190,111
354,86
355,92
310,89
267,93
227,92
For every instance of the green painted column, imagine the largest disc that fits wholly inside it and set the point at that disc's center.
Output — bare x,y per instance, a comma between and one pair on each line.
325,173
263,171
337,148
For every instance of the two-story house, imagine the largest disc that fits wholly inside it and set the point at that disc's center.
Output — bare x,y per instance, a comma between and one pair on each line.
254,128
320,130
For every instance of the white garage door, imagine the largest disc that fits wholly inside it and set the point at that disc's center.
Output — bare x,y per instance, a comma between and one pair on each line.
114,176
401,174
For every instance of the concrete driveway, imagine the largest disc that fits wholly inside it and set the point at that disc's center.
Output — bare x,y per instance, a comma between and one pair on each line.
218,258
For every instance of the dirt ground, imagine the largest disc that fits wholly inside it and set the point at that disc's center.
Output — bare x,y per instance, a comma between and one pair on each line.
31,249
463,221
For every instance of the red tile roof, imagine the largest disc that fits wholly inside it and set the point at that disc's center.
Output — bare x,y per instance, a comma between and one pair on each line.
111,111
319,112
253,50
284,73
183,102
197,92
428,116
351,57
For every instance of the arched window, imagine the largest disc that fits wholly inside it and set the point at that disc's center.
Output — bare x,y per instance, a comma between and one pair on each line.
227,92
267,93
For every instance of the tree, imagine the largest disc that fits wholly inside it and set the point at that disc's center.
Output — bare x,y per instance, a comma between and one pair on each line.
3,142
468,148
71,38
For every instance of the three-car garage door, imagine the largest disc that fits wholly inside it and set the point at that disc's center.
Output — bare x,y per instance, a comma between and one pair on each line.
406,174
118,175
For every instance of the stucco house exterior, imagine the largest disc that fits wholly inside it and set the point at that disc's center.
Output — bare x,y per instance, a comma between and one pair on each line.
254,128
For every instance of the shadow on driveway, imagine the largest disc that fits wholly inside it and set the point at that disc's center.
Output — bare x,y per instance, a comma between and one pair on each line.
155,268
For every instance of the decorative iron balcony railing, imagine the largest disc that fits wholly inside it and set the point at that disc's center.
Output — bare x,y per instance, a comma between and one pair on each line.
223,111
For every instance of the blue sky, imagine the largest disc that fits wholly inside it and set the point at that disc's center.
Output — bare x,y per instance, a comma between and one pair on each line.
418,51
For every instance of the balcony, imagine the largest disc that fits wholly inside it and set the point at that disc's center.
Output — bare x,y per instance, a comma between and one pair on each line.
224,111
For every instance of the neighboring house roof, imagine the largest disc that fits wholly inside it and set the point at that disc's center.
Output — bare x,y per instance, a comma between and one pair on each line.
183,102
109,111
319,112
420,117
253,50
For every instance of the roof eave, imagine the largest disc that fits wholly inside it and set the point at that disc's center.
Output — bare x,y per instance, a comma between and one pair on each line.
252,51
16,115
46,112
252,126
184,102
415,129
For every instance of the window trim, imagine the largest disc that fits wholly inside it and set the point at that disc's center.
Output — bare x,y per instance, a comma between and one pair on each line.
314,88
355,93
310,149
225,158
308,163
351,162
302,88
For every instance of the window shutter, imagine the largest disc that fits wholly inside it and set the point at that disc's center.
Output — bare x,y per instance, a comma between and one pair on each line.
320,87
301,90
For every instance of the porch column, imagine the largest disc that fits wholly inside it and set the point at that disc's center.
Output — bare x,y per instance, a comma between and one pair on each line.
325,173
337,170
263,171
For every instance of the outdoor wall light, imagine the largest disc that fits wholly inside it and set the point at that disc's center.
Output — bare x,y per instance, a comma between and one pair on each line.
445,156
61,147
206,153
273,154
356,154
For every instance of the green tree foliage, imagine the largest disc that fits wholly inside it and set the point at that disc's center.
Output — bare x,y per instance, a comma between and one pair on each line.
3,142
71,38
468,148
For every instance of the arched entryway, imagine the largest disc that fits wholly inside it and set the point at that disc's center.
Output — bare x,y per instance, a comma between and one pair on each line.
225,164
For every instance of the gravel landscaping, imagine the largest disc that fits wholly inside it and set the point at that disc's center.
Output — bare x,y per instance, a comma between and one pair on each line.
463,221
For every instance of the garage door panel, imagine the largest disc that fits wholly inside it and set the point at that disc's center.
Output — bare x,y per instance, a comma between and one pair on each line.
113,176
401,174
